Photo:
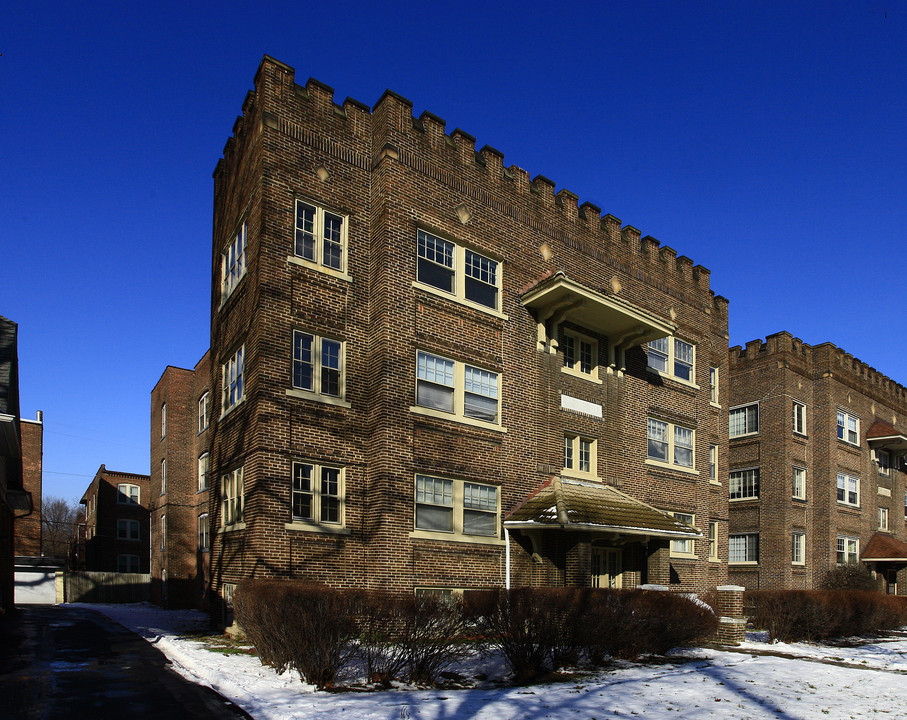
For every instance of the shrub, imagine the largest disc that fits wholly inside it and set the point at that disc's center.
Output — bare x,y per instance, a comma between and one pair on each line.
852,576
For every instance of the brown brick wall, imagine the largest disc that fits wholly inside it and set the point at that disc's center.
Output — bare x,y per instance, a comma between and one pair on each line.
102,544
28,528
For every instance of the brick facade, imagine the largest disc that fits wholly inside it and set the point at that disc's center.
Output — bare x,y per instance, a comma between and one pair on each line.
28,528
783,372
117,522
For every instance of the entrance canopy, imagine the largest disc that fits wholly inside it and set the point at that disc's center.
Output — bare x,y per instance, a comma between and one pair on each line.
573,505
884,548
884,436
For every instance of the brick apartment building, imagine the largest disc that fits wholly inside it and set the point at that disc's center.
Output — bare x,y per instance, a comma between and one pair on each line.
117,522
429,371
29,532
817,473
181,411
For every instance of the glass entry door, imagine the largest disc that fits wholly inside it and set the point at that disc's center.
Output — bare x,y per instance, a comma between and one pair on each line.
606,567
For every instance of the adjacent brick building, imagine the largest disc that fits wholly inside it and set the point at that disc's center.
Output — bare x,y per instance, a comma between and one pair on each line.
117,522
29,528
429,371
817,473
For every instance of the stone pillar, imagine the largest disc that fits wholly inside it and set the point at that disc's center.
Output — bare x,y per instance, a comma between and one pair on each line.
731,620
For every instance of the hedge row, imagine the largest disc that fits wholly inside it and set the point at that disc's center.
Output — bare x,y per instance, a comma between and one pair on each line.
317,630
813,615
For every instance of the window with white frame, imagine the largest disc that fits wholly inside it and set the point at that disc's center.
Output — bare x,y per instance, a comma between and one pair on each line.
320,237
744,484
203,472
163,421
670,444
905,504
317,364
848,489
127,563
454,387
458,507
883,518
713,540
798,486
204,536
713,385
232,498
317,494
580,454
128,530
673,357
713,463
580,354
233,262
127,494
743,548
798,548
163,476
883,461
848,428
799,418
463,273
848,550
163,532
684,547
233,379
203,412
743,420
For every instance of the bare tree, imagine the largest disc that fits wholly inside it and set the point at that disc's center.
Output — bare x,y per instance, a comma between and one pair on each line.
60,523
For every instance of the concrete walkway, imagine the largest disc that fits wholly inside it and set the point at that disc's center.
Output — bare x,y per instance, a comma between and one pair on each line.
73,663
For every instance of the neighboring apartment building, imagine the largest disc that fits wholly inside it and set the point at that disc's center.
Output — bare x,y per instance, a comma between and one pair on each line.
117,522
29,533
181,409
817,466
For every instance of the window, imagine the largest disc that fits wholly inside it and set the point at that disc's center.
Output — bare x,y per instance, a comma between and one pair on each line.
883,461
163,476
127,563
713,463
127,494
317,364
799,418
128,530
743,548
320,236
883,518
905,505
713,385
848,550
744,484
463,273
848,428
203,472
233,263
163,532
798,489
317,494
848,489
233,374
798,548
580,354
163,421
743,420
231,497
203,412
203,534
580,454
456,506
457,388
673,357
670,444
713,540
684,547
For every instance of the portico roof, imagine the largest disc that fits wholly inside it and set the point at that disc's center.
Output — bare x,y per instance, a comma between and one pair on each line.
883,435
884,548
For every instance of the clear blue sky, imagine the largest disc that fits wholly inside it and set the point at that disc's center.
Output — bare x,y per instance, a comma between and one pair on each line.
764,140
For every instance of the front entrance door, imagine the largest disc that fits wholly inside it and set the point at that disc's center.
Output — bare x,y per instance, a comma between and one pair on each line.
606,567
891,581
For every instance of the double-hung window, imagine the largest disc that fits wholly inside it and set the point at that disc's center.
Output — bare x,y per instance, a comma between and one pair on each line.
163,476
458,507
233,262
713,463
128,530
580,354
127,494
798,489
848,489
204,537
456,270
743,548
163,421
713,540
670,444
317,364
163,532
744,484
320,237
686,546
203,412
848,428
317,494
883,461
798,548
713,385
127,563
799,418
233,380
743,420
579,454
848,550
673,357
454,387
883,518
203,472
232,495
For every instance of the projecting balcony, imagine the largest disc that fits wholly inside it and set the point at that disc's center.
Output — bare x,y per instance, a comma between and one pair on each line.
882,436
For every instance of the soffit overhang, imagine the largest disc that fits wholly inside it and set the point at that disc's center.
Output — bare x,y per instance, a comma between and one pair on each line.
9,436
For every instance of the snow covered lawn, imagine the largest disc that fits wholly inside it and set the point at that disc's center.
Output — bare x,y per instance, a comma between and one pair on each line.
791,681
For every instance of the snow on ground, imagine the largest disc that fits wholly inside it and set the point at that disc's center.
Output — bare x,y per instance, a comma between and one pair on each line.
758,680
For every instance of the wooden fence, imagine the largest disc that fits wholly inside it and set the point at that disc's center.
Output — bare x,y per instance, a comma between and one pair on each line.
106,587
